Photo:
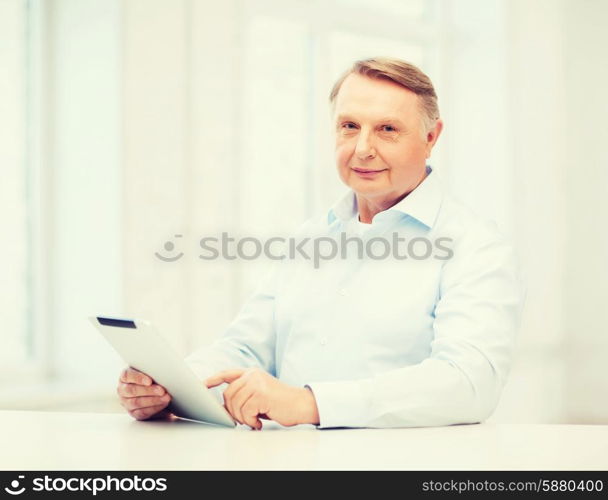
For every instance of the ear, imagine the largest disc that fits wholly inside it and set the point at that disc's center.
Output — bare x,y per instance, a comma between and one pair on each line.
432,136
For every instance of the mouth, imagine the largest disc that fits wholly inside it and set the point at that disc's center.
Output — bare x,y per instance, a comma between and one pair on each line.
366,173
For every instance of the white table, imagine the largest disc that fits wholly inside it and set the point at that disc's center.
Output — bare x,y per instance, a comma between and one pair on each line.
94,441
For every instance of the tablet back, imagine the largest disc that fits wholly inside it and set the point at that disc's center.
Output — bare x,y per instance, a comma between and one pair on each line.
143,348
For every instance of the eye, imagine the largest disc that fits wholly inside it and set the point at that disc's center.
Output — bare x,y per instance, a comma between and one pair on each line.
349,126
388,128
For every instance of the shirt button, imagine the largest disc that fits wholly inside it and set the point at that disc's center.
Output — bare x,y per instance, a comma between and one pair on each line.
342,292
323,341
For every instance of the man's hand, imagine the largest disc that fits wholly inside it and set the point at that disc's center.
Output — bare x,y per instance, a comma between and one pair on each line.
141,397
253,394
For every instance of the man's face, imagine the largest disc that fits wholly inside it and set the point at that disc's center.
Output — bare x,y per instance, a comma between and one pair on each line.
381,145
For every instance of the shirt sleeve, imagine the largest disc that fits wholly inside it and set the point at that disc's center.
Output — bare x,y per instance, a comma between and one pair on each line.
249,340
475,323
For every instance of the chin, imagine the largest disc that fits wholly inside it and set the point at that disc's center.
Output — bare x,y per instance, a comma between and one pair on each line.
367,188
372,184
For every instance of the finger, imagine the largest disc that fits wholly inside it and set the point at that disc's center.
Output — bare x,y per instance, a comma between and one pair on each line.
229,394
250,410
234,387
145,413
133,376
238,399
145,402
226,376
135,390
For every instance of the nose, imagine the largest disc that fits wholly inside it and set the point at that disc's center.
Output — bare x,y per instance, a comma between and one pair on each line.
365,149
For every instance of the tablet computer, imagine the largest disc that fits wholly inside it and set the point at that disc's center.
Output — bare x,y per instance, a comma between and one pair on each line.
143,348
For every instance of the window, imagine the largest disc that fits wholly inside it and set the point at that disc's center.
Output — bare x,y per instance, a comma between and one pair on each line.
15,195
292,52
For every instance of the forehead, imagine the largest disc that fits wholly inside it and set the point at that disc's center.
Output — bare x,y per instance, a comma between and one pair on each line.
372,97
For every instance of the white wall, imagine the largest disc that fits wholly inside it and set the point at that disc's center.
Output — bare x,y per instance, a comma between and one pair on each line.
156,161
557,79
535,102
474,102
585,199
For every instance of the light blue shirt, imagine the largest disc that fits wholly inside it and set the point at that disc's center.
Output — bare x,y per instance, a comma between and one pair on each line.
387,342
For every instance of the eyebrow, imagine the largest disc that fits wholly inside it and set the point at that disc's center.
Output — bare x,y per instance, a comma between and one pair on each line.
387,119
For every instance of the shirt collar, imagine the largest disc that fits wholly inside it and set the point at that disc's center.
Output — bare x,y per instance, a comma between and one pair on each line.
422,203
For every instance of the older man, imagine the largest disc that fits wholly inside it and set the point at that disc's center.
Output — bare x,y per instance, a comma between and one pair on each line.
408,341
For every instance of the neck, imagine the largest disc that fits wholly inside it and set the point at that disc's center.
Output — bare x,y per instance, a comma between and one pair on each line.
369,207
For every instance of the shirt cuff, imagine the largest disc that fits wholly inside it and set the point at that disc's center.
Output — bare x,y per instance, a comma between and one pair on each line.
341,404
